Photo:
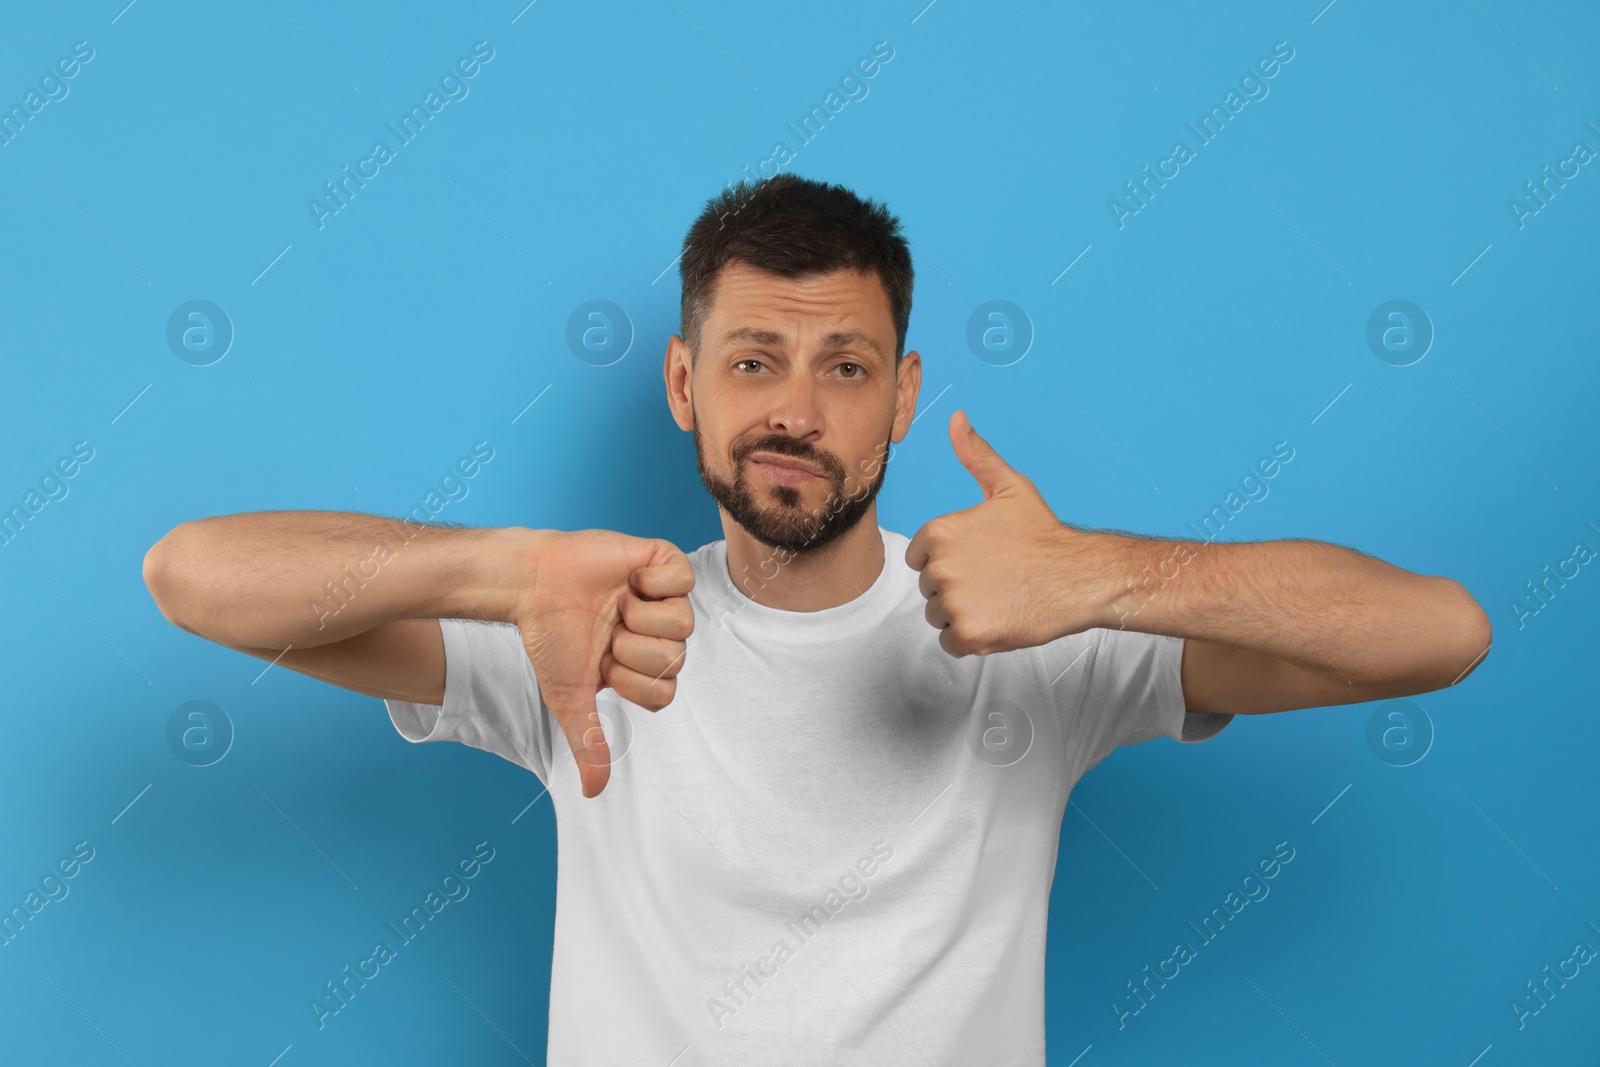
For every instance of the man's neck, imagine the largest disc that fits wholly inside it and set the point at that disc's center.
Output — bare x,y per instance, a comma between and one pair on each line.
810,581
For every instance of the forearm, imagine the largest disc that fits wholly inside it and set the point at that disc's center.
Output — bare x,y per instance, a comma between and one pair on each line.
1340,614
305,578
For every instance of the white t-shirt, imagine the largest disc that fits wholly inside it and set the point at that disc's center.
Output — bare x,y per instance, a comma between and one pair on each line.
835,845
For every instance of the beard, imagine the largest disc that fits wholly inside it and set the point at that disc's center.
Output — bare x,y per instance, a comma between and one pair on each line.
786,523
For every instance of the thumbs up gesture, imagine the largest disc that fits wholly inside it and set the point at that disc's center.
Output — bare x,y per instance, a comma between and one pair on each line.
1006,573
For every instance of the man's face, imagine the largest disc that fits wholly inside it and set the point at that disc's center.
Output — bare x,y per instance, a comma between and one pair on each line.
797,372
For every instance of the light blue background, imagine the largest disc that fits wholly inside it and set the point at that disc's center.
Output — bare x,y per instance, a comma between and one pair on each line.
1224,317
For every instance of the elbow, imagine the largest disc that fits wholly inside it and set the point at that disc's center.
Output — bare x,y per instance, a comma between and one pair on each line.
158,568
1473,632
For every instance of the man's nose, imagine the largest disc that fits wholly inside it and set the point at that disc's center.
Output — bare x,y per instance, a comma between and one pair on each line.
795,409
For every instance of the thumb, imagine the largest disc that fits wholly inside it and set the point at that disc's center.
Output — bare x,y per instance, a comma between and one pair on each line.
979,457
580,721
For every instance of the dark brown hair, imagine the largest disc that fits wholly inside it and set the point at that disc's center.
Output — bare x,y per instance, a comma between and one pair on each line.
794,227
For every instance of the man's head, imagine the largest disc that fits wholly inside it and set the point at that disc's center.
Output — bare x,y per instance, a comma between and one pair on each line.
796,299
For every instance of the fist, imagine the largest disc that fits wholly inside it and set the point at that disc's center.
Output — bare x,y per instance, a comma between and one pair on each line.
1005,573
603,609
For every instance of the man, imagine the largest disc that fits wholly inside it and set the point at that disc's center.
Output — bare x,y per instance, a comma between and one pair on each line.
834,839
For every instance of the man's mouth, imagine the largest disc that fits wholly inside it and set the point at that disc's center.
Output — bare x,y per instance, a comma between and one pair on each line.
785,470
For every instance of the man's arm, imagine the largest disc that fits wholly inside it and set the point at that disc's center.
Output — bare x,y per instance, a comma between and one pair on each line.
1268,626
1276,625
351,599
355,600
401,660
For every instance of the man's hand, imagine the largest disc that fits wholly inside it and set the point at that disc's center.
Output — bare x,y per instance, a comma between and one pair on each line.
603,609
1007,573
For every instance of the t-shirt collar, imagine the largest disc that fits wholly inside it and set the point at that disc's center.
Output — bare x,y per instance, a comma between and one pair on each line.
862,612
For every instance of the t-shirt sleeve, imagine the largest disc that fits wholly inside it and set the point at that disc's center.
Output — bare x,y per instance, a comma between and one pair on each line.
1121,687
491,697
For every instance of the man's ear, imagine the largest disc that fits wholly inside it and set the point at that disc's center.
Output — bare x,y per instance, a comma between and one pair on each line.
676,371
908,384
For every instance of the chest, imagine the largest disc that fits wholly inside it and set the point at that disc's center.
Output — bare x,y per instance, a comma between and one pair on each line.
795,751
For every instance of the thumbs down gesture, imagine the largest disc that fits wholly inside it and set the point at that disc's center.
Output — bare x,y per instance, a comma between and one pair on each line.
1006,573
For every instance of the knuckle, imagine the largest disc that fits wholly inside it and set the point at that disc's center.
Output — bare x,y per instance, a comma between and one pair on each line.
650,695
968,634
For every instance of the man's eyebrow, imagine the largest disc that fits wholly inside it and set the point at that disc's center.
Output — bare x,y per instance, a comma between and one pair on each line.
834,340
848,338
754,335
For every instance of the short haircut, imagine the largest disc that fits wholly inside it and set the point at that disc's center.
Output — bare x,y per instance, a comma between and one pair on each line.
794,227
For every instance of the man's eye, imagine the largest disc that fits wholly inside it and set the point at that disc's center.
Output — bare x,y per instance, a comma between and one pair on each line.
742,362
857,367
